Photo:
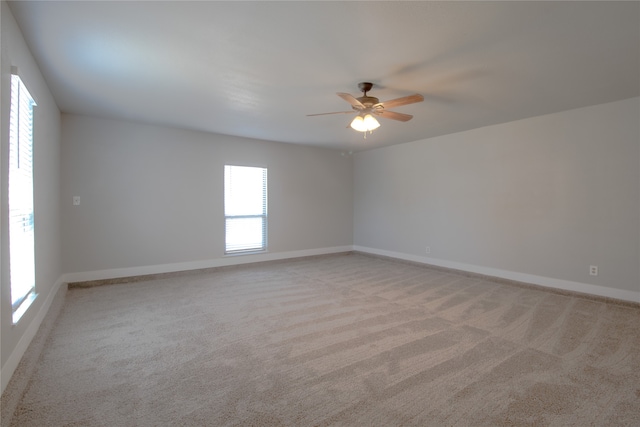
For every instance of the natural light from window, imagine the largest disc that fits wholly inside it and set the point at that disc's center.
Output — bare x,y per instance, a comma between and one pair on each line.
245,209
21,225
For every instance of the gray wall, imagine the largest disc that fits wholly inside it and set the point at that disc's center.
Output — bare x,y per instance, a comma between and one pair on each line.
153,195
46,194
546,196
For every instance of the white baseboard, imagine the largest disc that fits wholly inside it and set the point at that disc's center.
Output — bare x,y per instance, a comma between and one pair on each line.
549,282
14,359
196,265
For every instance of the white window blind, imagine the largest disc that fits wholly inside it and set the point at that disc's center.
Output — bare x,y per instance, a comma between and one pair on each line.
21,225
245,209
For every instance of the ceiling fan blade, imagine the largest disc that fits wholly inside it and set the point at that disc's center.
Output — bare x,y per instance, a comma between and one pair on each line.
351,100
411,99
336,112
393,115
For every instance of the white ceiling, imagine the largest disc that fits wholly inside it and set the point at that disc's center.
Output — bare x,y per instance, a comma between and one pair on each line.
256,69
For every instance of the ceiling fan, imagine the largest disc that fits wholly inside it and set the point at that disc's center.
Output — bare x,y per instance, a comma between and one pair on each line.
369,106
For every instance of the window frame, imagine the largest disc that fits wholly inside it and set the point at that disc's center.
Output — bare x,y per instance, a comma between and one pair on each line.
21,209
262,247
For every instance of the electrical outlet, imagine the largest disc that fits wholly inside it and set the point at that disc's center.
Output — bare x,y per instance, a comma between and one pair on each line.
593,270
428,250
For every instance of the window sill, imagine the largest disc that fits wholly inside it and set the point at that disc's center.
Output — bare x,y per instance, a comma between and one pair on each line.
23,308
232,254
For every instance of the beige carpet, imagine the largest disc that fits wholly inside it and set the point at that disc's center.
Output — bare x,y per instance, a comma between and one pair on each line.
346,340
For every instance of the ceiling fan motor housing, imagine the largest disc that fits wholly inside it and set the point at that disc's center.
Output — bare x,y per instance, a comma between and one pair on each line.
368,101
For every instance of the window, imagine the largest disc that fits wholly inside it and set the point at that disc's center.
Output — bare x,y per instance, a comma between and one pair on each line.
245,209
21,236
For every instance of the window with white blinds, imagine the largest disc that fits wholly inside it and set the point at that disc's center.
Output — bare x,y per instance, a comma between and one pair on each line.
21,226
245,209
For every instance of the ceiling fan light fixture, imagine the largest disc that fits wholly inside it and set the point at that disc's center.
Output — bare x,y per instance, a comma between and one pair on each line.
365,124
370,122
358,124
